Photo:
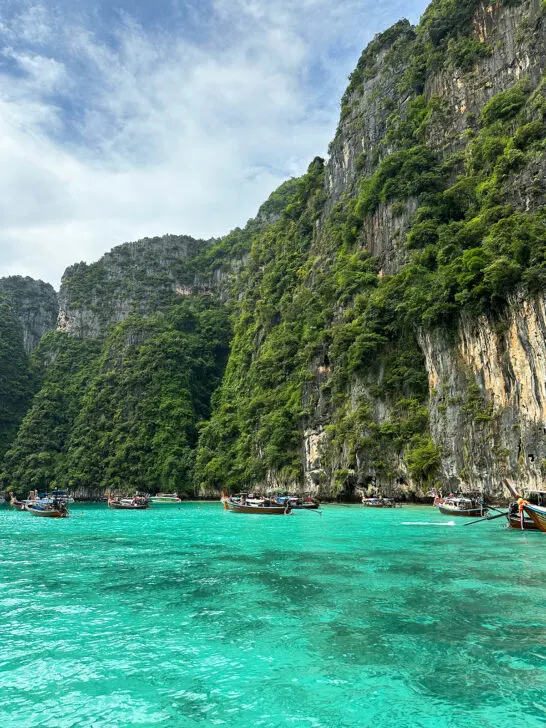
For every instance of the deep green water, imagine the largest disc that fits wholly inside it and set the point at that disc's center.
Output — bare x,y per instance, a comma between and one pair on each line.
194,616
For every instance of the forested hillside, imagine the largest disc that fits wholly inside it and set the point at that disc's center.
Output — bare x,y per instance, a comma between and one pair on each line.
141,344
380,324
28,309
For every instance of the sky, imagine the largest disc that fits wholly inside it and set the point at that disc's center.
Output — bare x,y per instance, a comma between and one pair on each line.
121,119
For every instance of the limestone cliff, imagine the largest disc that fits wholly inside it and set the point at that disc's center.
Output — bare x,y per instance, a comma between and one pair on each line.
513,42
133,278
35,305
422,366
488,397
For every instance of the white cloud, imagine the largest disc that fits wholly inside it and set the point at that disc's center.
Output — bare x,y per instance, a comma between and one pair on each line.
102,142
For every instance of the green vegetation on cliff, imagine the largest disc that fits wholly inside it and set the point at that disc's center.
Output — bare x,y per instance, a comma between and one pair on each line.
17,382
256,426
122,413
28,309
121,403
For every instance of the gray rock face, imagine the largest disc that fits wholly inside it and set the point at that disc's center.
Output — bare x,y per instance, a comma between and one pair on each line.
35,305
516,37
138,278
355,150
488,398
133,278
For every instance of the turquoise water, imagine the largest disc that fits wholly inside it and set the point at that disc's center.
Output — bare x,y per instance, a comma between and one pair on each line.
194,616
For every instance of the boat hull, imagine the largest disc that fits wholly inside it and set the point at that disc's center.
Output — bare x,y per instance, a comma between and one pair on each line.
162,502
261,510
127,507
528,523
41,513
538,515
379,503
465,512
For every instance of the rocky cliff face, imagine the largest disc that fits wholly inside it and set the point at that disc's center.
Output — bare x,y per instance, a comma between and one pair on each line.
35,306
133,278
513,37
486,377
423,348
144,276
488,397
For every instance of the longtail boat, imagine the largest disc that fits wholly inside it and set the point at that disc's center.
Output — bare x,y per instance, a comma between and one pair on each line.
379,502
462,506
47,509
128,504
16,504
518,516
242,503
298,504
537,513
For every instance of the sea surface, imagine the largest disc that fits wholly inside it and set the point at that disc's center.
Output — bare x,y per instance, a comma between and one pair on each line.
194,616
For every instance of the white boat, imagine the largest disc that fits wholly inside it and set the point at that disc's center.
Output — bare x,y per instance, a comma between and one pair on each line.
462,506
165,498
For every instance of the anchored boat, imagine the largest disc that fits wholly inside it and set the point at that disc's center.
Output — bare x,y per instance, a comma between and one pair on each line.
137,503
244,503
462,506
162,498
379,502
537,513
527,511
299,504
47,509
18,505
518,516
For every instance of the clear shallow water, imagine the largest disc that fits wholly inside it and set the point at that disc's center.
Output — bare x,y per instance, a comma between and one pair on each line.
200,617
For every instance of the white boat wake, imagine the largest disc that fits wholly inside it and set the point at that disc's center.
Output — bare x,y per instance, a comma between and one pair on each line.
427,523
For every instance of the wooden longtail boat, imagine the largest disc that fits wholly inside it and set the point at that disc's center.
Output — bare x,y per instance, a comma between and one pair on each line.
378,502
261,509
537,513
461,506
520,521
242,504
16,504
518,515
128,504
48,510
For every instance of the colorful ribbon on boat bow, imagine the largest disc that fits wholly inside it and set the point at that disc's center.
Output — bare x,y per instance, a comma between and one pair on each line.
521,504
